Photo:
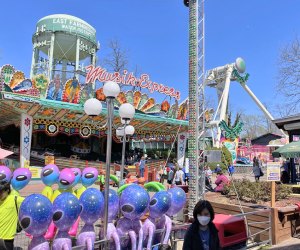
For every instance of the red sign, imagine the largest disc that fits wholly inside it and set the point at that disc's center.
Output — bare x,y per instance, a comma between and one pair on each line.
102,75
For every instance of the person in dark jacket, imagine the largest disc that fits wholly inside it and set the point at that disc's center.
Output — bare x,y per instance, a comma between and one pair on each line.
202,234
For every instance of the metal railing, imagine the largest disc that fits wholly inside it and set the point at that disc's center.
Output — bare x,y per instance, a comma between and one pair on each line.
251,241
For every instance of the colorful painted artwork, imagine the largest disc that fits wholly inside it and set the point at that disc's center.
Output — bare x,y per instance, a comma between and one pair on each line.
46,112
86,93
136,99
121,98
173,111
41,83
183,111
17,78
129,97
55,89
72,91
165,106
23,86
148,105
6,74
100,95
144,99
232,146
231,132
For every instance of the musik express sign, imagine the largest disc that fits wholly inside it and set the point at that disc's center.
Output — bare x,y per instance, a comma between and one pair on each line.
100,74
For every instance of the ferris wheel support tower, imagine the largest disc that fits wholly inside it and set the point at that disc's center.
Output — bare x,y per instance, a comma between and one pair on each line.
196,101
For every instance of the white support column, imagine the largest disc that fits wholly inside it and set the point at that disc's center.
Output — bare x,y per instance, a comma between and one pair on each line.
64,71
94,59
25,140
77,57
33,62
224,102
51,55
259,104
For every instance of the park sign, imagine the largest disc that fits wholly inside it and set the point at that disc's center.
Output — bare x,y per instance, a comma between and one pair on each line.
67,23
100,74
273,171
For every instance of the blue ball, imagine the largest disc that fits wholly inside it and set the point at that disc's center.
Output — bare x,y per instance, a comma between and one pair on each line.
134,201
178,200
66,209
159,204
35,214
92,203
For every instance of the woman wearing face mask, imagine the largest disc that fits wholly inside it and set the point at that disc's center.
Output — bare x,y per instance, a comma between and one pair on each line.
202,234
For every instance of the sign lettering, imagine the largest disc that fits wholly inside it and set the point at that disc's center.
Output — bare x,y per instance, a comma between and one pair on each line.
100,74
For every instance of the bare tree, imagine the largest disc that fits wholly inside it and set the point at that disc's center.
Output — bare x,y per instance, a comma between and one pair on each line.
117,59
289,75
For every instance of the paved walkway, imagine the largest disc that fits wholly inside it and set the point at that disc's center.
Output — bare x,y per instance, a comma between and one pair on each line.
291,244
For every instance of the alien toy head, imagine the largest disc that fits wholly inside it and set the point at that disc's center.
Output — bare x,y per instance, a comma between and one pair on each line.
89,176
178,200
50,174
35,214
66,209
113,204
77,173
92,203
66,179
159,204
21,178
134,201
5,174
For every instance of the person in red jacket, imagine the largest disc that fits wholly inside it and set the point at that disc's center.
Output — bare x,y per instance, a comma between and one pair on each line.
221,181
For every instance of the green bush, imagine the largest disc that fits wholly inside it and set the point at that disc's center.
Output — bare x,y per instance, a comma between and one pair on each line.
226,159
256,191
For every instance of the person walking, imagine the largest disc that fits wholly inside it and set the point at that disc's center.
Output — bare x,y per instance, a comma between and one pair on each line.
202,234
171,175
9,207
179,176
142,166
231,170
256,169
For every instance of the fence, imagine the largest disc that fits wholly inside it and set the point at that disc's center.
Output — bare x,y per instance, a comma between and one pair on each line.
258,221
22,241
176,236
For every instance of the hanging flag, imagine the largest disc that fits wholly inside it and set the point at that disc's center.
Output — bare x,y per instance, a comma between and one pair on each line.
25,143
181,146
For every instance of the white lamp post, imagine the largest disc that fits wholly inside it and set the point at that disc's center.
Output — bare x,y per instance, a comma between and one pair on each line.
93,107
126,112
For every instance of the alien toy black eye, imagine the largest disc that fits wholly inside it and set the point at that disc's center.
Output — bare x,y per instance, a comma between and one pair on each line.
153,202
64,182
127,208
89,175
57,215
25,222
47,172
21,178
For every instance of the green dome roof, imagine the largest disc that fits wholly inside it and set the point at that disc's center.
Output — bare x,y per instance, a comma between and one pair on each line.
67,23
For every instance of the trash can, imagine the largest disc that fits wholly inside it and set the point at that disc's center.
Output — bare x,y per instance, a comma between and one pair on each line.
232,231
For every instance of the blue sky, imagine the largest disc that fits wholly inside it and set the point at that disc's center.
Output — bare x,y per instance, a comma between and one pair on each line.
156,34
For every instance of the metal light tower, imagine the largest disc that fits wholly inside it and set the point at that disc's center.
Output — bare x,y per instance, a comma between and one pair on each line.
196,101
